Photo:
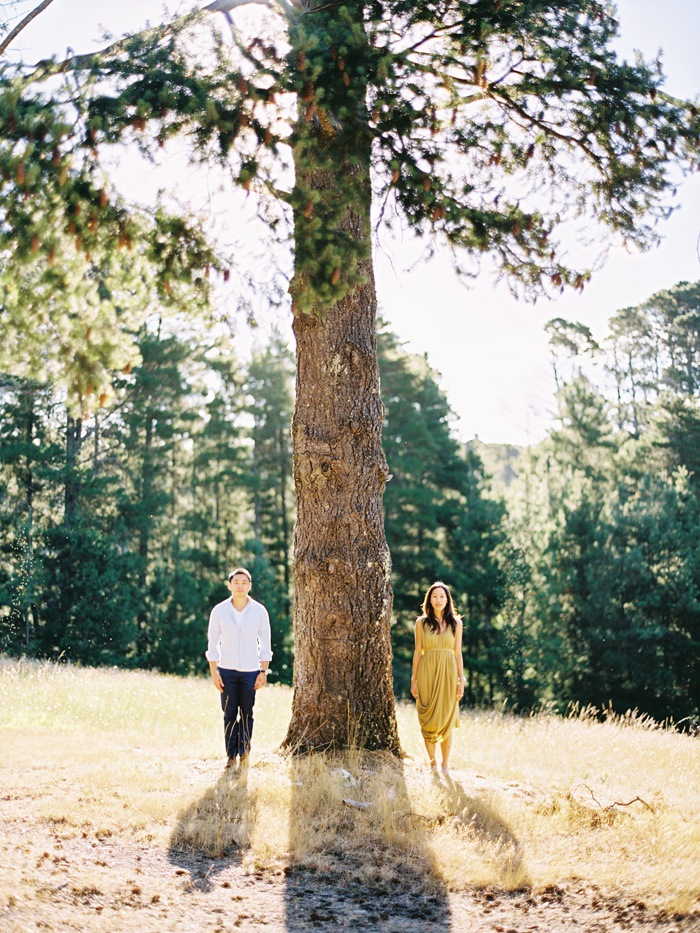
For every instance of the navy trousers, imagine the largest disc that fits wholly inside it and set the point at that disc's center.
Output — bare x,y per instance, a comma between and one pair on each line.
237,702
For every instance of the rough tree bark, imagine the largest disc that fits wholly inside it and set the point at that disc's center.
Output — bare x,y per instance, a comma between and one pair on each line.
343,690
343,687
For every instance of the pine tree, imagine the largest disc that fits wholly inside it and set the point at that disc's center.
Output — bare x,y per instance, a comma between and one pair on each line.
459,112
269,386
28,453
473,522
440,521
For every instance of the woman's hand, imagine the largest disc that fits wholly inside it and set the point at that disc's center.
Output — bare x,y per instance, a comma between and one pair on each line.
414,688
458,660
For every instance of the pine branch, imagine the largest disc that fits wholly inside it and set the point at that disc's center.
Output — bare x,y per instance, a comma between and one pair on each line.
504,98
25,22
225,6
436,33
48,67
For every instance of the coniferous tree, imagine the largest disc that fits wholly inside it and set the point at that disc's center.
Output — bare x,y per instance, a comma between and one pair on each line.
676,432
221,463
473,522
148,429
603,587
28,451
269,386
462,111
215,514
89,606
635,349
440,522
675,314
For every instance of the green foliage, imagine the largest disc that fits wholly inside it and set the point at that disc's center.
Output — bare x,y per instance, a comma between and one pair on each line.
27,451
477,105
89,598
472,109
328,68
117,531
269,386
440,521
135,512
603,605
268,590
465,112
655,355
78,260
188,472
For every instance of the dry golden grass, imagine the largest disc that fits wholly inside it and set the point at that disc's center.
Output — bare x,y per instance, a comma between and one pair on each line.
533,802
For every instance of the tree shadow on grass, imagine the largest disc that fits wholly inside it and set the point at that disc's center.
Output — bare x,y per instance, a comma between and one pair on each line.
215,830
358,857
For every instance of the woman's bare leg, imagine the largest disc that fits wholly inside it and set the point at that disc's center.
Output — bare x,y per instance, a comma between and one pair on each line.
446,746
430,749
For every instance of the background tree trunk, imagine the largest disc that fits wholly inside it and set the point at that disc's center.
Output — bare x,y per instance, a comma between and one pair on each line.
74,440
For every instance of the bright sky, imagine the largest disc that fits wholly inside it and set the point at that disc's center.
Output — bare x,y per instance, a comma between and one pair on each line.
491,350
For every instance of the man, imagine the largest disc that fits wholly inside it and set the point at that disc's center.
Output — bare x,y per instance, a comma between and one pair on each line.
239,655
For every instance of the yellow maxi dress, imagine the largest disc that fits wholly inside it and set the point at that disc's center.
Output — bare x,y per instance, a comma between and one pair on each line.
438,709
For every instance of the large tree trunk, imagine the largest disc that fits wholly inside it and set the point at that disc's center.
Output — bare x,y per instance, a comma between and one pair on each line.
343,691
343,688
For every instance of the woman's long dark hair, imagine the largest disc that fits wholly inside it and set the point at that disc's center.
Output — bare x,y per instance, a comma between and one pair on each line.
449,615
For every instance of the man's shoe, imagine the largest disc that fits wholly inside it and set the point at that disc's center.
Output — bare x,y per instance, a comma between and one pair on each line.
231,763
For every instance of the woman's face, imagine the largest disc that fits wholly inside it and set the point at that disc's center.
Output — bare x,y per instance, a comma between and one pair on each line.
438,600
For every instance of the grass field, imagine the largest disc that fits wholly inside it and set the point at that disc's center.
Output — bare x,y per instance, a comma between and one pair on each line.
534,802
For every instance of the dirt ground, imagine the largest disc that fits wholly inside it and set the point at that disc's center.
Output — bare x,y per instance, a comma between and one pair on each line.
83,883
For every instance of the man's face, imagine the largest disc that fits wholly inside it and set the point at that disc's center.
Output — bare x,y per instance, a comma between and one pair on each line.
239,584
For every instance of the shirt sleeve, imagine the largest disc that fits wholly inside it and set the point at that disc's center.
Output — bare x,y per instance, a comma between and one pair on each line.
264,636
213,636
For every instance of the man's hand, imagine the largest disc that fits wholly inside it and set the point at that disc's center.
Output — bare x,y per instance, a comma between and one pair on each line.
260,680
216,677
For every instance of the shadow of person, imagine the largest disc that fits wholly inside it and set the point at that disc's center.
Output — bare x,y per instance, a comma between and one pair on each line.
358,856
214,831
491,833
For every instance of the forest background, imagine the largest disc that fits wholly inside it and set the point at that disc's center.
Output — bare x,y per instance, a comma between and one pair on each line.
574,562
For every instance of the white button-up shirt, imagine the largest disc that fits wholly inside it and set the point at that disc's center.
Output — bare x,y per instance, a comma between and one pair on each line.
239,640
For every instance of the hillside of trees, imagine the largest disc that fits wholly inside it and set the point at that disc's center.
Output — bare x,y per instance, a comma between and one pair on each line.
576,568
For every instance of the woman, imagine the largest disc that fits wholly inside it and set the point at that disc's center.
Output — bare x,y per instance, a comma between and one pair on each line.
437,677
